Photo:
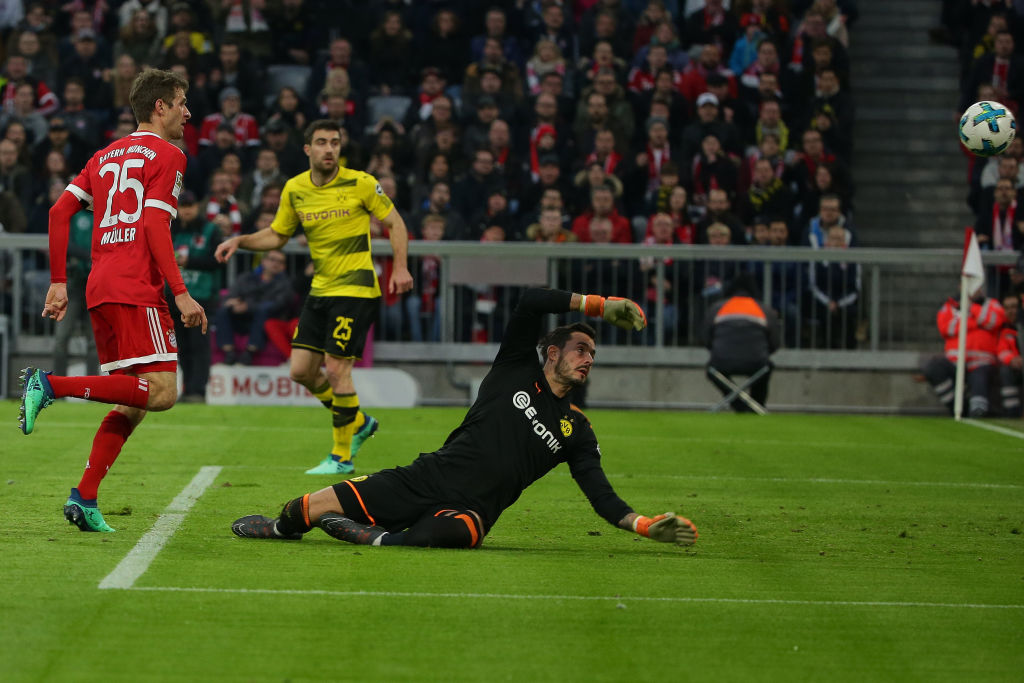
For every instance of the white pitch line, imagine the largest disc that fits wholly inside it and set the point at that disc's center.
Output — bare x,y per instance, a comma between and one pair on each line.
802,480
994,428
813,480
616,598
138,559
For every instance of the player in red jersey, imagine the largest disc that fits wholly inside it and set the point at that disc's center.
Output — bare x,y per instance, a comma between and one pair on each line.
132,186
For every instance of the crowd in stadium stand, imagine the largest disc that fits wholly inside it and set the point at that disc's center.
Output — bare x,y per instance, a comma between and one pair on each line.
987,36
625,121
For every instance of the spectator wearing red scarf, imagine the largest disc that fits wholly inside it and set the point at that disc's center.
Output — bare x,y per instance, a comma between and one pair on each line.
997,227
1002,69
712,170
645,177
767,62
604,152
432,84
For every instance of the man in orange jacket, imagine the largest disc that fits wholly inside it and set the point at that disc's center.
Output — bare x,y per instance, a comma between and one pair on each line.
984,320
1009,355
741,333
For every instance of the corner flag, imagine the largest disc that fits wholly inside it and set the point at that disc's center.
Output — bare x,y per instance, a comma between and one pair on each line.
972,279
971,270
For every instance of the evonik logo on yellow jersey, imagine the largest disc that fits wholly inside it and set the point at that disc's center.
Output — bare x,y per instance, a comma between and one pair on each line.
305,216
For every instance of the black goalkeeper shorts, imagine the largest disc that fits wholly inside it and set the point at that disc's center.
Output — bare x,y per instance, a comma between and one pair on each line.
384,499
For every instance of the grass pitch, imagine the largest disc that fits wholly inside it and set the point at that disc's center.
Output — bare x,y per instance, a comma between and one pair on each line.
832,548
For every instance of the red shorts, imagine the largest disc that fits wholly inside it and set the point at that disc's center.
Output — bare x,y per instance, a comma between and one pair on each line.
134,339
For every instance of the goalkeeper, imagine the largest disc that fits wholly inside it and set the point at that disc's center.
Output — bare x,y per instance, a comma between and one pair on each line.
521,426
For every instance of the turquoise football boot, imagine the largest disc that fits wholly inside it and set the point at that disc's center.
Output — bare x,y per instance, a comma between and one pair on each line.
368,429
84,514
332,464
36,394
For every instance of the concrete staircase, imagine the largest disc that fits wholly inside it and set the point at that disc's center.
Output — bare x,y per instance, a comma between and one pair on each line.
909,172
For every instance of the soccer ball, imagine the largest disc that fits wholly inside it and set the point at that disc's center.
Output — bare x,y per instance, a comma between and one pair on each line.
987,128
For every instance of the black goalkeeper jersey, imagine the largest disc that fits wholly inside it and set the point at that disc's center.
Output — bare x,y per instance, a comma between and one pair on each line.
516,432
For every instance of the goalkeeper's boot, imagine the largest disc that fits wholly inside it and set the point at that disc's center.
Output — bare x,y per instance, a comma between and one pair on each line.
332,464
258,526
345,529
84,514
36,394
368,429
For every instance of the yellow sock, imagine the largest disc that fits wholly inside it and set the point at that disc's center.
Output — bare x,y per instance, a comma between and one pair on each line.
360,421
345,408
324,394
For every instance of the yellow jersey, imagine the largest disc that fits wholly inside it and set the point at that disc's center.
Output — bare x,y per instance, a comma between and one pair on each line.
336,220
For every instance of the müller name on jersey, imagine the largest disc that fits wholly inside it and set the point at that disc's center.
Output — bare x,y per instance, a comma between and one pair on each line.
118,235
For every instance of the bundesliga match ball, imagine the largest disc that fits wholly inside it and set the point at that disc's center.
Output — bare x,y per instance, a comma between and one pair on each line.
987,128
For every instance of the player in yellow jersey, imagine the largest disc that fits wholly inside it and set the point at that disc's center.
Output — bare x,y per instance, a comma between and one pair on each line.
333,205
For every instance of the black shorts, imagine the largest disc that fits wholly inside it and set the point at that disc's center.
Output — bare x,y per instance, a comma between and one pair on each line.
337,325
384,499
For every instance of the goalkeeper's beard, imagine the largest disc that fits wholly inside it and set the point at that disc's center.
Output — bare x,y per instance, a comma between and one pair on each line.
565,374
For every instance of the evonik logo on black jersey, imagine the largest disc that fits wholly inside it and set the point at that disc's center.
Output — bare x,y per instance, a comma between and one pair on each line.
521,400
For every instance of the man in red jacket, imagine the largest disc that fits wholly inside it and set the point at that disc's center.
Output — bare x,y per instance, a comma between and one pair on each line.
1009,356
984,320
602,205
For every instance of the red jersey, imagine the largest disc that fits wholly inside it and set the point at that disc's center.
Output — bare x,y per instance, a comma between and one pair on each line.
247,131
137,172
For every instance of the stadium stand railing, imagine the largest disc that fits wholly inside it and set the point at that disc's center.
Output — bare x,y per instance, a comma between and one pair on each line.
477,287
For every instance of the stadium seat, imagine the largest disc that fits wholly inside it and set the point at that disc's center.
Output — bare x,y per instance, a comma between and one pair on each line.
381,106
269,356
739,390
281,75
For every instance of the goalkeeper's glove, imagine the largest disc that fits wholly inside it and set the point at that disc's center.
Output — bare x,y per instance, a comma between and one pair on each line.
666,528
619,312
